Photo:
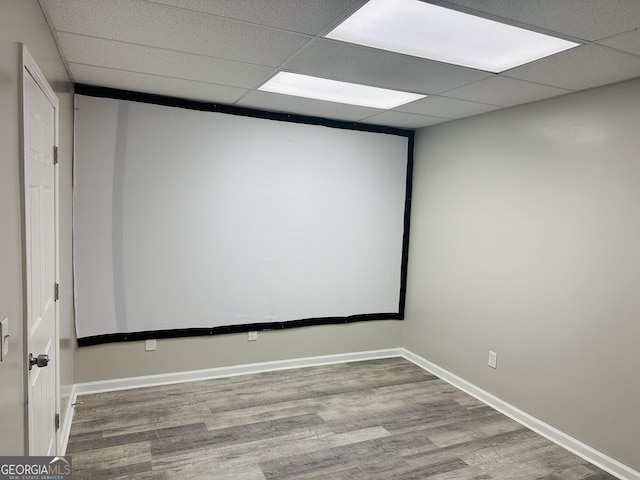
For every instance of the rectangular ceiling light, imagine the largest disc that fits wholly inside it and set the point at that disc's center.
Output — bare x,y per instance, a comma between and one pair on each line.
335,91
413,27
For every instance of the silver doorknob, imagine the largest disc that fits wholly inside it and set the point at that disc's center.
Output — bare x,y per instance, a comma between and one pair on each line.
40,361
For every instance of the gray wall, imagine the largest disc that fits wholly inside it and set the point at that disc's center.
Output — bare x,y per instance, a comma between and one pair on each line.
23,21
525,240
128,359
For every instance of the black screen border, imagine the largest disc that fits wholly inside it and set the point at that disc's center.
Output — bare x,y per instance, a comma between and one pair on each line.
104,92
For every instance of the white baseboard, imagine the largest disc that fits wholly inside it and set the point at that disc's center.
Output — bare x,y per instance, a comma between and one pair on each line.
65,427
583,450
220,372
562,439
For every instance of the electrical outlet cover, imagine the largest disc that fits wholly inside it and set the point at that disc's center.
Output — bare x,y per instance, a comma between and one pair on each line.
493,359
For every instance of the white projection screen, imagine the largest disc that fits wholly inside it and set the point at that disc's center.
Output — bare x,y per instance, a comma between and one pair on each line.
195,222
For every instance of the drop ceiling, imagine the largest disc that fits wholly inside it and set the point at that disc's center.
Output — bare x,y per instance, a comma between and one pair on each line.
221,51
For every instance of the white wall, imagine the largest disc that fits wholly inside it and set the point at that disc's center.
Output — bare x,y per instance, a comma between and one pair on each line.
23,21
525,240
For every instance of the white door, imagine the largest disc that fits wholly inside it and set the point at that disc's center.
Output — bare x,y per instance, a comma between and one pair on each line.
39,116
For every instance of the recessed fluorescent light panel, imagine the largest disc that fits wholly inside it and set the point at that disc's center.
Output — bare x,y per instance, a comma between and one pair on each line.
335,91
413,27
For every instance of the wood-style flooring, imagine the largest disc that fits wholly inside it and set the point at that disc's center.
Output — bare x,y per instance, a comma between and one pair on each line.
373,420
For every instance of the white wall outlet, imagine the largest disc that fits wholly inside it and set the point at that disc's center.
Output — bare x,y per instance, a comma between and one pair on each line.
493,359
4,338
150,345
252,336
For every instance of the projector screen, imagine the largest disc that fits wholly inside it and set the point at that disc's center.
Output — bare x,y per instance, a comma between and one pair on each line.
195,222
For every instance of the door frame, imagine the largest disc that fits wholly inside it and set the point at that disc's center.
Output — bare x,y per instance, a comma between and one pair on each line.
30,67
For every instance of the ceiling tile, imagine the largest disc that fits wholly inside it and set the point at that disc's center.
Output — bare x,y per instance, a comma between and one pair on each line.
304,16
586,19
505,92
274,102
221,50
627,42
155,61
352,63
172,28
403,120
445,107
140,82
582,67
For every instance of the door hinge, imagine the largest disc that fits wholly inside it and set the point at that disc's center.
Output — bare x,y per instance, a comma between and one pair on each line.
56,292
56,420
55,154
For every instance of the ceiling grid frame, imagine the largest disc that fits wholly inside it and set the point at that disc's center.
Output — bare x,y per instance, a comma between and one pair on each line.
223,51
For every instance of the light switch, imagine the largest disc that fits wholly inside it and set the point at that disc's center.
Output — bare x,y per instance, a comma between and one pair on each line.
4,338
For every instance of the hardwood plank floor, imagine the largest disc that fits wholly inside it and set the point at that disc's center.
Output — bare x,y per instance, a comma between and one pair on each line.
373,420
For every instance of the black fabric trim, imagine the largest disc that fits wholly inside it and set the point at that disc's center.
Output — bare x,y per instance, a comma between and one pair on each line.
250,327
96,91
404,266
